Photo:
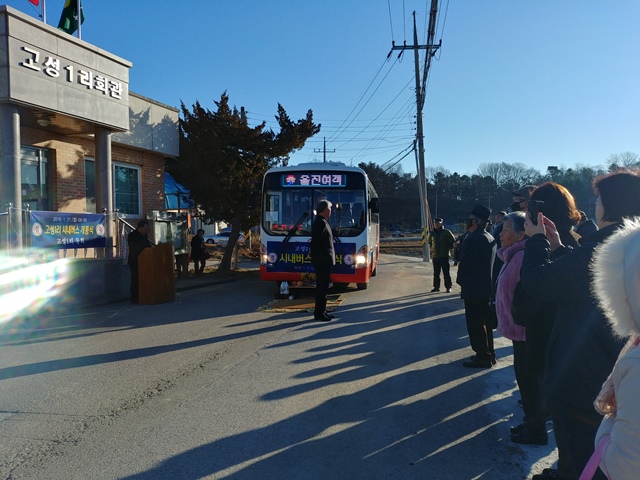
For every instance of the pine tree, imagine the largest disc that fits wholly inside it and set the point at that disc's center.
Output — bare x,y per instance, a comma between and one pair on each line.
223,160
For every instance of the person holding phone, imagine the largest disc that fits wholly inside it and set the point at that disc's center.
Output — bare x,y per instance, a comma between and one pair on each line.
582,350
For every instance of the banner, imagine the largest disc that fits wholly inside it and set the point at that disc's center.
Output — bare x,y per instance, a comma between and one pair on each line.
67,230
294,257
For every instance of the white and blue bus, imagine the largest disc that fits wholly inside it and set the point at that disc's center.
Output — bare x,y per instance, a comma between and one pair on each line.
289,198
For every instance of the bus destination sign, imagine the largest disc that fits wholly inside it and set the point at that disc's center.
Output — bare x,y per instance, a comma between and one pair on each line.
301,179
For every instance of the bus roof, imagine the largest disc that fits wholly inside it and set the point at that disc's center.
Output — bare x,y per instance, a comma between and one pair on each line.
333,166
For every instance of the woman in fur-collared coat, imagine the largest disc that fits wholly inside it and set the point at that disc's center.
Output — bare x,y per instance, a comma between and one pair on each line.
616,284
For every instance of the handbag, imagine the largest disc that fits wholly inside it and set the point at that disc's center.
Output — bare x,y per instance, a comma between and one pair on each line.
593,463
207,255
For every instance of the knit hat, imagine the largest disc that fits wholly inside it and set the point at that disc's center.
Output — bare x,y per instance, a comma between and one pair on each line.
616,278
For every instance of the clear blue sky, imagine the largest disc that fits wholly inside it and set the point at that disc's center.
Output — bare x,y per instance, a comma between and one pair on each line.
541,82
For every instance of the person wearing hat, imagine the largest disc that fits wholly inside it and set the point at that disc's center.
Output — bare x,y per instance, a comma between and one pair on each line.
475,279
521,198
440,243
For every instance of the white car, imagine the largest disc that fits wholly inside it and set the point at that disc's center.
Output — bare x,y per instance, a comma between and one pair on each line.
221,239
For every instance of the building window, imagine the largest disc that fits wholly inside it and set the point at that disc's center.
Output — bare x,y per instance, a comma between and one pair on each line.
127,194
90,184
34,178
126,186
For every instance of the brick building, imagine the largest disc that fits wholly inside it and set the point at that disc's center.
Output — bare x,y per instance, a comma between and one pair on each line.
75,140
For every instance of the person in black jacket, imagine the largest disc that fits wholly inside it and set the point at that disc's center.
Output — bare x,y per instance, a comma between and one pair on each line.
137,241
582,349
198,251
559,206
475,280
323,257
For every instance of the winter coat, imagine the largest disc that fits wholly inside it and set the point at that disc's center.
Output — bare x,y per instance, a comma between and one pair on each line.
586,228
507,279
476,265
617,285
582,349
441,242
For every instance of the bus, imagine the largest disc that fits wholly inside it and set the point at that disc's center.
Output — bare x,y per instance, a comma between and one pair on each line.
289,198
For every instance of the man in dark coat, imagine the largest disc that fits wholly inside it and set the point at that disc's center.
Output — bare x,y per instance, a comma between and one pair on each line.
137,241
323,257
474,278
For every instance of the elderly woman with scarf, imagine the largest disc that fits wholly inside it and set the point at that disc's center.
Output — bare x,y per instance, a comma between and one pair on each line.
616,284
513,238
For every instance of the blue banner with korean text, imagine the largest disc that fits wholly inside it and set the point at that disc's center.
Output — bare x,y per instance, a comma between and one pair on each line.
294,257
67,230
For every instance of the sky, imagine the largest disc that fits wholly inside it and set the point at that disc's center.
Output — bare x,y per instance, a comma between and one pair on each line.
538,82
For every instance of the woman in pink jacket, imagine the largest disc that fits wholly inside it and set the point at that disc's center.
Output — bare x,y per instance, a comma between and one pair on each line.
511,253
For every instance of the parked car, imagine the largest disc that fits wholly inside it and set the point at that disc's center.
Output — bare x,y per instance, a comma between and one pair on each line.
221,239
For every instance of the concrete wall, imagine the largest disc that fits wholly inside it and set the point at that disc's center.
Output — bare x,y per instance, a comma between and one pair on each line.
94,281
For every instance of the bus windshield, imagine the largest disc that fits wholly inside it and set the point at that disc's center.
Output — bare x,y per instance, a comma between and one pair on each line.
293,208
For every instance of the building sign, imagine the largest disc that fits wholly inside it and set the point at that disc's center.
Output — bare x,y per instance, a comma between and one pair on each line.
294,257
298,179
53,68
67,230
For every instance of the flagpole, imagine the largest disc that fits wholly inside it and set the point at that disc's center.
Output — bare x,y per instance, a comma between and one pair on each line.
79,18
44,12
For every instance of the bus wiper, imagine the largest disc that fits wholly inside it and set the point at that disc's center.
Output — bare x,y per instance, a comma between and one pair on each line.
295,227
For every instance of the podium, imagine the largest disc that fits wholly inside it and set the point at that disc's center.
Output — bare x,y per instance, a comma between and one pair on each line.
156,280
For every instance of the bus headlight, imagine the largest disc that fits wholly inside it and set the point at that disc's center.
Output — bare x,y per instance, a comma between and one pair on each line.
361,257
263,254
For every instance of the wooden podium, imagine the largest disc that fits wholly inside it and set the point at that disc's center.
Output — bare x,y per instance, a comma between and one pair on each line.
156,280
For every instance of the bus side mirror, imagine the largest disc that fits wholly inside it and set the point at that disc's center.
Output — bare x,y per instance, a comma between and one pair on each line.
374,205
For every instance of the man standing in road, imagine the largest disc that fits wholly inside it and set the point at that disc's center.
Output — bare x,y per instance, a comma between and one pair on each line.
137,241
474,278
323,257
440,242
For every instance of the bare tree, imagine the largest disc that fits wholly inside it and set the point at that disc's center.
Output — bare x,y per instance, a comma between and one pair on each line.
623,160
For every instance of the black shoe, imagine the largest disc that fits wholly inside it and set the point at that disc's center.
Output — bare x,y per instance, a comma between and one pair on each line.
527,437
448,290
435,290
517,429
477,363
329,315
493,359
322,318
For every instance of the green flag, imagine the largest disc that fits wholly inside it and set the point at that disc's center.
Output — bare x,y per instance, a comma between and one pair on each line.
69,19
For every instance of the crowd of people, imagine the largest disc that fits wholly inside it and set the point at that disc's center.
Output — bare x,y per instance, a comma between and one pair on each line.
566,291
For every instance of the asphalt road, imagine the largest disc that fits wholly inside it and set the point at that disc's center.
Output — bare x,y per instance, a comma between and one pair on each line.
209,387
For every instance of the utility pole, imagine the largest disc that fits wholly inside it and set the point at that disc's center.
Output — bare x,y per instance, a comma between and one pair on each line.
324,150
431,48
